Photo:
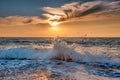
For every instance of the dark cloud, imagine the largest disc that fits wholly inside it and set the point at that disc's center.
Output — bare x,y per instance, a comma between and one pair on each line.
83,8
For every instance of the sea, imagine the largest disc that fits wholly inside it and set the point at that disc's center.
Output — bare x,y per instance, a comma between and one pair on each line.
60,58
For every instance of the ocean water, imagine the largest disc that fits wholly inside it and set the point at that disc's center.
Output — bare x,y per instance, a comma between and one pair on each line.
60,58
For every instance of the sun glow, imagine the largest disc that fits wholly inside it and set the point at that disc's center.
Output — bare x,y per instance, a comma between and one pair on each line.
55,23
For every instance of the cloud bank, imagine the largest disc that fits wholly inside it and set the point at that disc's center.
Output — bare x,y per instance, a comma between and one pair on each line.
78,9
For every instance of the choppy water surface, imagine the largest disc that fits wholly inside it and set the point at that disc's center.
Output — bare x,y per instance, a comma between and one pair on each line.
63,58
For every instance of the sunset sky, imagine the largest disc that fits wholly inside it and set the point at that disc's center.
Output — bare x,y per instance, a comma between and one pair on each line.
64,18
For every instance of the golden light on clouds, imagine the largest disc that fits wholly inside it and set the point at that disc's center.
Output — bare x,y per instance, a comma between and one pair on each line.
54,17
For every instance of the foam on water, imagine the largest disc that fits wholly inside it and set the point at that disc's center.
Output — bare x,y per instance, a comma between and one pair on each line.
60,50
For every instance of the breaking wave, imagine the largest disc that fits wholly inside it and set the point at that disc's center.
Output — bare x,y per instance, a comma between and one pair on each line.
65,52
60,50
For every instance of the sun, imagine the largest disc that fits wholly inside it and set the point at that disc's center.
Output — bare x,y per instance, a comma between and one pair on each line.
54,23
54,20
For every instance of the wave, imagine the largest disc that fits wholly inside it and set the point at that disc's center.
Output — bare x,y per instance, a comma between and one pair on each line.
62,51
59,50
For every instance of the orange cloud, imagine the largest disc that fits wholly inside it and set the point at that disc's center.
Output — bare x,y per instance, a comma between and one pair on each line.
20,20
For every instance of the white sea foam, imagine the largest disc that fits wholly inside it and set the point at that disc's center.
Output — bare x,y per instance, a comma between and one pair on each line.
63,51
60,50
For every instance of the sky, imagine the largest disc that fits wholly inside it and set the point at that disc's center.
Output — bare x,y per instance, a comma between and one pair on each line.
64,18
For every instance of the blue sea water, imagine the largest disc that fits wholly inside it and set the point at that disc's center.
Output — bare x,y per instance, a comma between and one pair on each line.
60,58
